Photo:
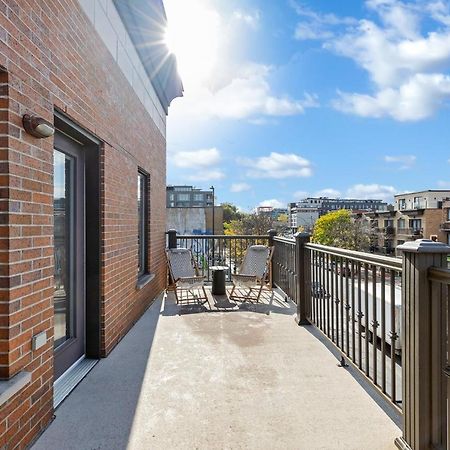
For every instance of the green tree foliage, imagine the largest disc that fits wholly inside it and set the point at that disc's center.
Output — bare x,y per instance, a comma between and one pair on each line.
338,229
230,212
249,224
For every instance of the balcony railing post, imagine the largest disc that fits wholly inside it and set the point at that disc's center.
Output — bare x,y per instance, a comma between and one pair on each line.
418,333
303,278
272,234
172,238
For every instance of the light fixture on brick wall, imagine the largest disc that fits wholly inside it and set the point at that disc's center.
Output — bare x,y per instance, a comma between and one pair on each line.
37,126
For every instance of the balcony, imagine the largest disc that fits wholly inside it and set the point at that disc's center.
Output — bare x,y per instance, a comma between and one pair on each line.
389,231
244,375
233,377
411,233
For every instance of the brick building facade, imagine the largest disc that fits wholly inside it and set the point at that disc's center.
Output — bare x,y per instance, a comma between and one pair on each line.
75,65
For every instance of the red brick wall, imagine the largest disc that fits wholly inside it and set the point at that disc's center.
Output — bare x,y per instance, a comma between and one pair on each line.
52,57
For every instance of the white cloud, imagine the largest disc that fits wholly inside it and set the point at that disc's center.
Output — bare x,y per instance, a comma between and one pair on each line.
305,31
404,161
277,165
240,187
273,202
416,99
196,158
297,195
372,191
443,184
314,25
247,94
206,175
440,11
249,18
200,164
328,192
408,67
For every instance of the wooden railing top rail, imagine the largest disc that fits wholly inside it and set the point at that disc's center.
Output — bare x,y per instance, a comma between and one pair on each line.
388,262
284,240
439,275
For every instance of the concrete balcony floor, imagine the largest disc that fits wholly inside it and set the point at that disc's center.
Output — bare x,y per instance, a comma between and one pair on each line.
184,378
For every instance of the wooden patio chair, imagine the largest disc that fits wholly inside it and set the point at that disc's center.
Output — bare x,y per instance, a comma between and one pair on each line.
185,277
254,274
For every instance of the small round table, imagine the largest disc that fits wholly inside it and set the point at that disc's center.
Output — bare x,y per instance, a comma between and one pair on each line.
218,280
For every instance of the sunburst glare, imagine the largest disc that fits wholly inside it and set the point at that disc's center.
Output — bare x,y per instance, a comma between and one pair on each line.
193,36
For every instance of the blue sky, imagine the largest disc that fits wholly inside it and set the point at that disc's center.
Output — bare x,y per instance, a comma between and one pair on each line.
291,98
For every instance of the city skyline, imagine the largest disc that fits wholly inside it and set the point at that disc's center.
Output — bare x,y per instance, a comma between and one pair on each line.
293,99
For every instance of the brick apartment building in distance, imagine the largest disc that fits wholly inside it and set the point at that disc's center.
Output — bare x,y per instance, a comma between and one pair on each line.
83,211
416,215
305,212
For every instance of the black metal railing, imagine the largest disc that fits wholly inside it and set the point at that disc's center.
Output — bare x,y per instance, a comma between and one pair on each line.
284,267
219,250
356,302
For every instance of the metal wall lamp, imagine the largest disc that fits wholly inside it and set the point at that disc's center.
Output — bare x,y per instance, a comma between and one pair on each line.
37,126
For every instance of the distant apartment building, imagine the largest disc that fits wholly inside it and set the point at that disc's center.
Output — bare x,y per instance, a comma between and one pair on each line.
302,217
272,212
305,212
416,215
188,197
190,211
445,225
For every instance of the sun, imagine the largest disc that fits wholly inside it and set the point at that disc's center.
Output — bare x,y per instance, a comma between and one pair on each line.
193,36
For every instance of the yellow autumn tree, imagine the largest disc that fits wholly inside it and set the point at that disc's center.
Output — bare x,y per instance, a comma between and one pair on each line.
338,229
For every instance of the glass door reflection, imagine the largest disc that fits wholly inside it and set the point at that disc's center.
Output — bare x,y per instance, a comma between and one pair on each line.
63,246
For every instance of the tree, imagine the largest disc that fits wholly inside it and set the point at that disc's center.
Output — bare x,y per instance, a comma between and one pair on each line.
249,224
230,212
338,229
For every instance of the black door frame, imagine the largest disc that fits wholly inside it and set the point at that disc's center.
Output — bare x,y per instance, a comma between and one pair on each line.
91,146
74,347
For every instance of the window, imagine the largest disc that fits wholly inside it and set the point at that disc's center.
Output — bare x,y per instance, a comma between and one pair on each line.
142,200
415,224
401,224
402,203
183,197
448,214
198,197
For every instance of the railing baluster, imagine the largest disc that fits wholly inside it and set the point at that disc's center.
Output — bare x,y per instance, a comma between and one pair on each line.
374,325
352,269
347,308
338,295
393,340
360,316
314,284
331,299
341,304
327,293
322,293
383,329
366,312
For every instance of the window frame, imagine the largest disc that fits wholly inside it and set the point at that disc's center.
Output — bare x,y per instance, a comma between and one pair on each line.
143,224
